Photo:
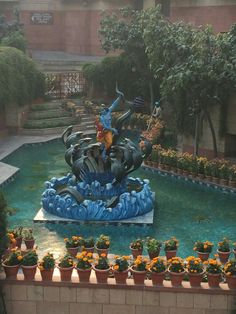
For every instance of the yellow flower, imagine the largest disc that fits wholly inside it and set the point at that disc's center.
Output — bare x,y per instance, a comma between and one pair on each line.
107,242
19,257
103,255
66,239
116,267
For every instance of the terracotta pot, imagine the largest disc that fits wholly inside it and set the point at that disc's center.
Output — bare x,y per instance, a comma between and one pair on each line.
234,251
84,274
201,176
73,250
203,256
209,178
29,244
231,281
195,279
179,171
157,278
170,254
47,274
138,276
176,278
153,254
89,249
29,272
65,273
101,274
232,183
224,182
223,256
215,180
18,242
11,271
136,252
213,280
121,276
102,251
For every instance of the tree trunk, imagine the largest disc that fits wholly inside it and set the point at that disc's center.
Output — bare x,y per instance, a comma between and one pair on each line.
151,96
212,133
196,137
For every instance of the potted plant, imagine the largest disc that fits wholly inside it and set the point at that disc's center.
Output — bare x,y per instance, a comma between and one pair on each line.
201,161
139,269
11,240
213,271
224,250
46,266
234,249
215,165
153,247
224,172
176,270
203,249
136,247
195,269
101,268
88,244
120,268
28,238
12,263
208,170
102,244
157,268
230,273
29,264
232,176
65,267
84,265
72,244
170,247
17,233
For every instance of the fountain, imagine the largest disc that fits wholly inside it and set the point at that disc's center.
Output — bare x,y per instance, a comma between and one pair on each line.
98,187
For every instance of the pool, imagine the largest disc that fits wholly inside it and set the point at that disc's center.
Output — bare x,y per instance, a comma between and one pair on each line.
188,211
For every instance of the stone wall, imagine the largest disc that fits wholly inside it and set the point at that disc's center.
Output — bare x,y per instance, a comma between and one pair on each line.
92,298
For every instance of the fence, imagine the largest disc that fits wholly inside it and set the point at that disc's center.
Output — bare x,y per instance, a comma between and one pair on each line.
63,85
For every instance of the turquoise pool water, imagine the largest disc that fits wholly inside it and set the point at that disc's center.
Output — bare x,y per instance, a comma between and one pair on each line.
185,210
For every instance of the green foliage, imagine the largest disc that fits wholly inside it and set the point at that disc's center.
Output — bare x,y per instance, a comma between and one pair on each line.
47,262
30,259
66,261
16,40
153,245
14,258
19,77
3,224
103,242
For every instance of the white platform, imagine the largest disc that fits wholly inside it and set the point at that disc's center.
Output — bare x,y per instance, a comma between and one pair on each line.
44,216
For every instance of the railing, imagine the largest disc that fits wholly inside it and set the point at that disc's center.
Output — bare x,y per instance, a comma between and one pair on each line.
62,85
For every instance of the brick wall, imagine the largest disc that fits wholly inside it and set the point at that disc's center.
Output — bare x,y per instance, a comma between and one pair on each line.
68,298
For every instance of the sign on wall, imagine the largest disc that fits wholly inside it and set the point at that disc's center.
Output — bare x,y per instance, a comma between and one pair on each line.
41,18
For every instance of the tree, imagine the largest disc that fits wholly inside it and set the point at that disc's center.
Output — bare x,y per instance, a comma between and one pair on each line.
123,31
193,67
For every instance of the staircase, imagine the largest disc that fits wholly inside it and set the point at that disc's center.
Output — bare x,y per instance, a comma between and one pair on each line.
51,118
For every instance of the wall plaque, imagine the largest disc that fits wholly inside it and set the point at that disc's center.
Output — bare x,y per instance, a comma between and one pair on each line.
41,18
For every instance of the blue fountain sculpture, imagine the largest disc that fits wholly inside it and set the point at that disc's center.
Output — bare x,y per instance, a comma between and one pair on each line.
98,188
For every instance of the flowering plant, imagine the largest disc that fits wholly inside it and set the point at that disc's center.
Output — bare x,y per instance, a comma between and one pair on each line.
176,265
137,244
102,262
11,239
14,258
84,260
17,232
201,161
230,268
213,266
224,246
103,242
66,261
194,265
141,263
157,265
232,174
153,245
121,263
72,242
203,246
47,262
30,258
224,171
89,242
215,165
208,168
171,244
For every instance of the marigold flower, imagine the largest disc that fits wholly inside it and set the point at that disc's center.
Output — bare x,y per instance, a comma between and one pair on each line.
103,255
